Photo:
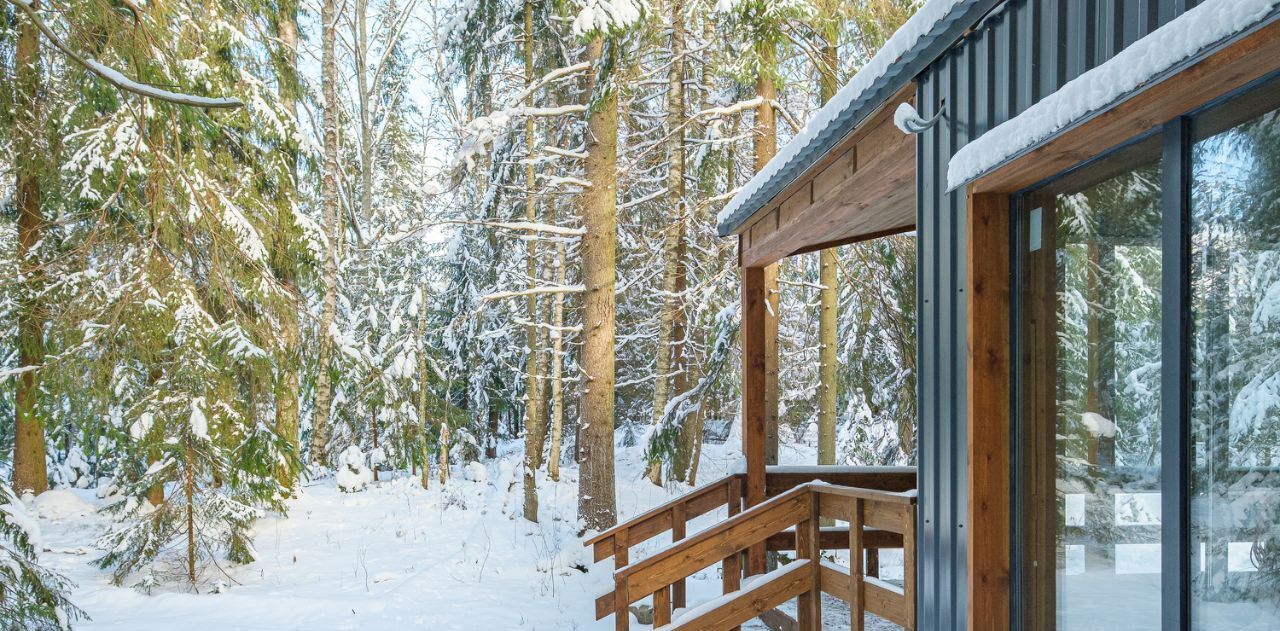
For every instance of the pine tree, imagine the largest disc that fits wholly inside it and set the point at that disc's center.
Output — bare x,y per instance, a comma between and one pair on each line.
31,597
29,473
287,245
596,493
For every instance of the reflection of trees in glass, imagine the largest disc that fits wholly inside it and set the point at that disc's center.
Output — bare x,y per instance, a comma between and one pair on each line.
1108,352
1109,321
1236,301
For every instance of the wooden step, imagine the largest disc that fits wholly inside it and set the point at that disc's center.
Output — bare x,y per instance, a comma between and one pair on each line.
765,593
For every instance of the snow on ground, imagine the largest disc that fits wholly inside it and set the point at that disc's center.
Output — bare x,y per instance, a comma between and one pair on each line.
392,556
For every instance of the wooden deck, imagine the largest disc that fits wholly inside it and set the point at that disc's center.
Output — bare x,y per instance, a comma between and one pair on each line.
876,505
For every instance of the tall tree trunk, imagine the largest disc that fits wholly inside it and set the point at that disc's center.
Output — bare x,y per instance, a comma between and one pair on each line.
828,62
533,430
320,426
189,492
423,382
672,315
29,469
364,96
765,143
596,494
557,368
444,450
287,376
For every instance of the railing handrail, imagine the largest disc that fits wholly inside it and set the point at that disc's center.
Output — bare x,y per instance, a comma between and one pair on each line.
700,538
875,495
799,506
683,546
658,511
877,519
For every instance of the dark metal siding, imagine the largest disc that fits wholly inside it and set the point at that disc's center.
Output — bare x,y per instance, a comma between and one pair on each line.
1023,51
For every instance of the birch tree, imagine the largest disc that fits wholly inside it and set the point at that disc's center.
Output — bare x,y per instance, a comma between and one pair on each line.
333,227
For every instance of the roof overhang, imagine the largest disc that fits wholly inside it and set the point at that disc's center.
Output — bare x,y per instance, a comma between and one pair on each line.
863,188
1026,150
933,29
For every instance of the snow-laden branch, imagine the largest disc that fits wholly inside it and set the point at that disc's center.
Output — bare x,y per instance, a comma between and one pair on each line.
563,180
564,153
546,289
518,226
606,15
529,226
554,75
728,110
724,196
483,130
14,372
709,113
549,327
115,77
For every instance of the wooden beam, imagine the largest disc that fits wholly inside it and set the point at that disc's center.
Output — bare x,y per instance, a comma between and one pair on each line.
896,479
753,395
1250,58
859,238
989,408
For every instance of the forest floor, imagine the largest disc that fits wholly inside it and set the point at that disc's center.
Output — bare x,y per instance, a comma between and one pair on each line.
393,556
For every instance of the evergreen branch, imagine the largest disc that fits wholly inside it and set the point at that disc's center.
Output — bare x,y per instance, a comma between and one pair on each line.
115,77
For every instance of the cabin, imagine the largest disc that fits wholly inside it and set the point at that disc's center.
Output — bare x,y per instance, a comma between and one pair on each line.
1094,188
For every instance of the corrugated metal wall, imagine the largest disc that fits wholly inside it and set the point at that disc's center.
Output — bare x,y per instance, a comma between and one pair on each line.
1022,51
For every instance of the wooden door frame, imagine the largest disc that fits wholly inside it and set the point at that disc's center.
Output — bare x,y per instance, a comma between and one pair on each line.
989,369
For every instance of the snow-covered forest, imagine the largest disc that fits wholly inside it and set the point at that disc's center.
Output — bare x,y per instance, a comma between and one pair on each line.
315,299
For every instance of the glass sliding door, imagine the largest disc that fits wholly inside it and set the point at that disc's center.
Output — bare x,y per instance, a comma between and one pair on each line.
1235,417
1089,384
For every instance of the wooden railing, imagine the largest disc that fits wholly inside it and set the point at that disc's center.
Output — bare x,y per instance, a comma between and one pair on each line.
796,513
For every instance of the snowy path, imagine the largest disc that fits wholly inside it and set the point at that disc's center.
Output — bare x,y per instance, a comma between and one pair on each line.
391,557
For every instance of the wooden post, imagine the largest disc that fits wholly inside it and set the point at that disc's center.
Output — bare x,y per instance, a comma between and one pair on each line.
857,603
621,602
989,407
809,605
753,396
772,395
909,567
662,607
679,516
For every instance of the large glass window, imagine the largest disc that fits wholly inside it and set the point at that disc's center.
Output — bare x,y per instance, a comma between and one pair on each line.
1090,384
1094,549
1235,418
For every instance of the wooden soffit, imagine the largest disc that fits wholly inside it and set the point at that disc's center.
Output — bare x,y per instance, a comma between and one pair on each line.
863,188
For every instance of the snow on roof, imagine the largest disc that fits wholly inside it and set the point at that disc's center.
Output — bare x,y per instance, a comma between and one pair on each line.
893,66
1146,59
